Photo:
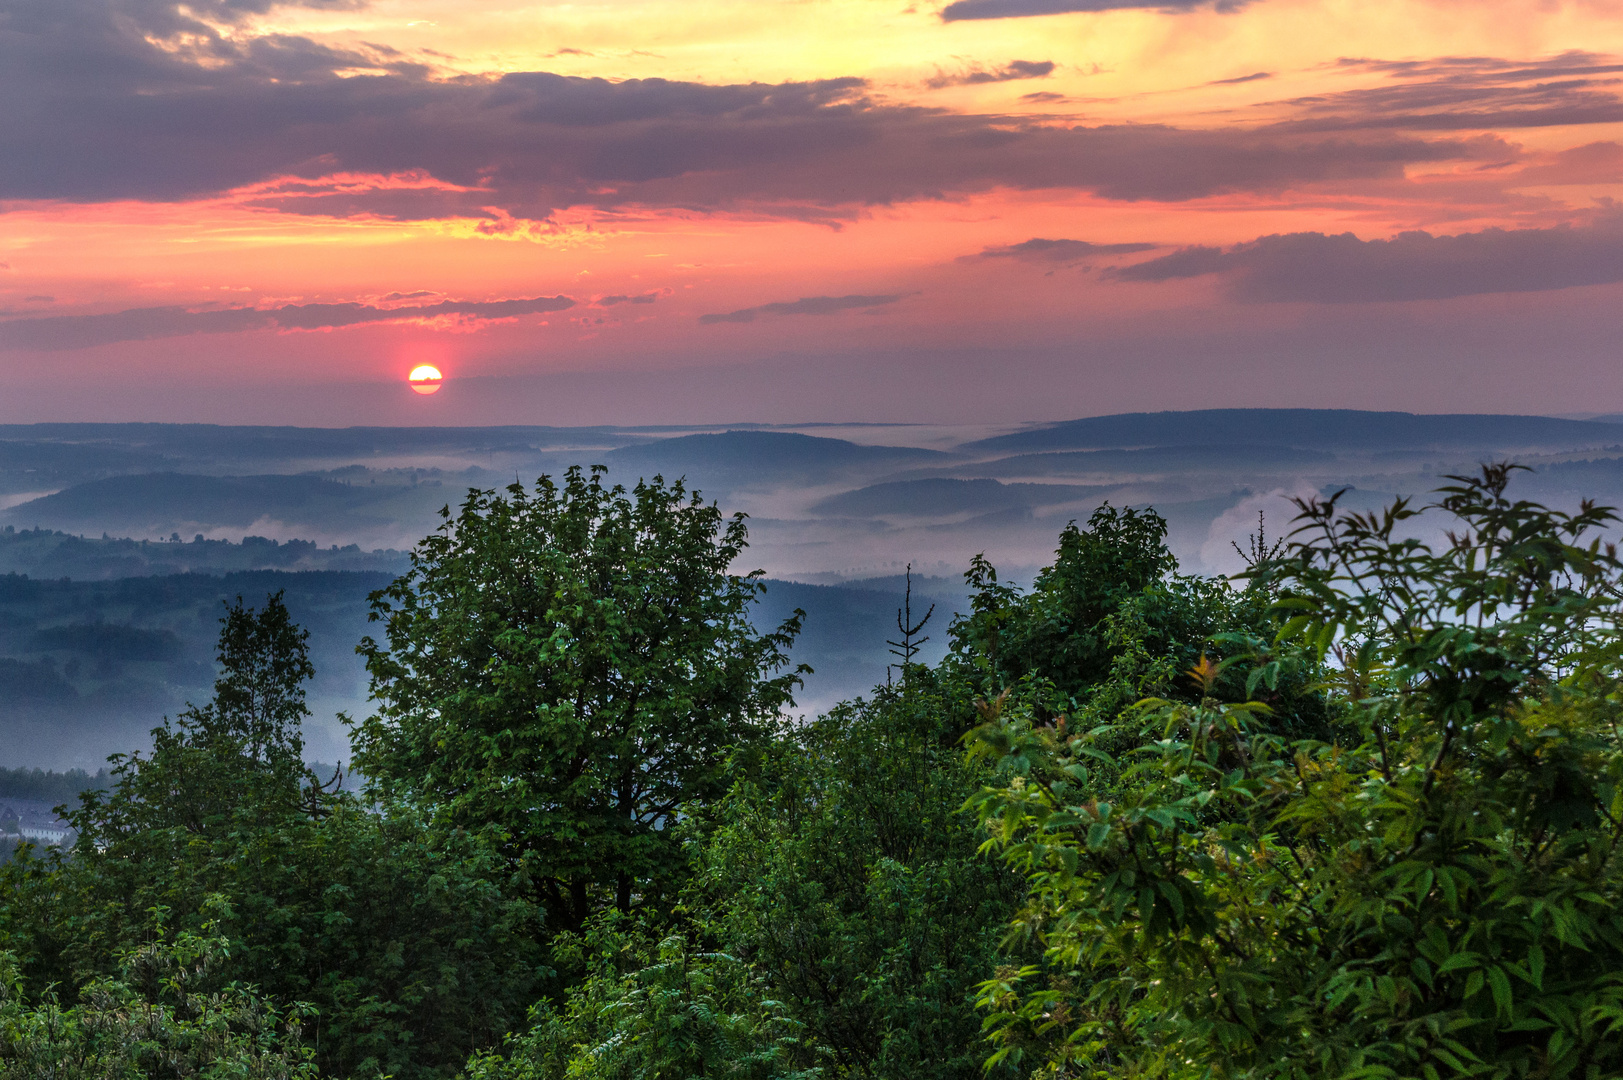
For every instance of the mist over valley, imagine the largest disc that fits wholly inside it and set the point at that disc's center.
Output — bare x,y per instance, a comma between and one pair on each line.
122,541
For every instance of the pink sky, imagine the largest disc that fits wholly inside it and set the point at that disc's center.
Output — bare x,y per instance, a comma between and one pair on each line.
653,211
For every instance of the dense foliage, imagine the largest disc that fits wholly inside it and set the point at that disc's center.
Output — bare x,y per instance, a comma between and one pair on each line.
652,1004
841,867
159,1017
1434,891
1355,816
410,954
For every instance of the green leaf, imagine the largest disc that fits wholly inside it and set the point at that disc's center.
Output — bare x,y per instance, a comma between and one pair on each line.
1502,997
1174,899
1449,1059
1460,961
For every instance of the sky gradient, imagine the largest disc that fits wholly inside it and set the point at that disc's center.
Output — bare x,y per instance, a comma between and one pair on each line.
662,211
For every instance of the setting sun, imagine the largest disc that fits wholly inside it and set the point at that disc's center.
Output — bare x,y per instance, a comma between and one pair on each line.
425,379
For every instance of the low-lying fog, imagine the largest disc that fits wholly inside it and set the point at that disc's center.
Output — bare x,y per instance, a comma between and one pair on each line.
103,638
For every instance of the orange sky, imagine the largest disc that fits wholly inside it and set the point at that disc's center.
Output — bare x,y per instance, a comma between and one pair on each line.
666,211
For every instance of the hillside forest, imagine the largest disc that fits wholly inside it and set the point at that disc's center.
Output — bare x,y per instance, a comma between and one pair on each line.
1354,813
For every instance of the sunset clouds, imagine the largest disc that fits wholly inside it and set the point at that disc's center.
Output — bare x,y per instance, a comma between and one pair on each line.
322,193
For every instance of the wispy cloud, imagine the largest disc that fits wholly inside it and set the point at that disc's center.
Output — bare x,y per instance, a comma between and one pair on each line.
1013,71
1038,249
1468,93
806,305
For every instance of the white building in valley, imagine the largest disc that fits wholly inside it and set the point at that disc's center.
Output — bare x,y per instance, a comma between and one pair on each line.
33,821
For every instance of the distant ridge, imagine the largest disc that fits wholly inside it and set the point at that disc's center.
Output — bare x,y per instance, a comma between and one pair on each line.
225,499
155,504
1317,428
241,441
762,454
1178,458
129,431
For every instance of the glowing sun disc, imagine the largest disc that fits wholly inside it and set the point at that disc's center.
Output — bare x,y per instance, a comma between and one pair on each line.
425,379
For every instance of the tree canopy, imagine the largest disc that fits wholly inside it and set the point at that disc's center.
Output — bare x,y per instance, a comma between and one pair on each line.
1355,814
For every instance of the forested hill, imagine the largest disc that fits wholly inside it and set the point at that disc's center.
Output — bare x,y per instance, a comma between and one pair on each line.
48,786
53,553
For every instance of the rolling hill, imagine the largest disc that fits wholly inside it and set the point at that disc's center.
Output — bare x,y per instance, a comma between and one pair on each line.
1346,429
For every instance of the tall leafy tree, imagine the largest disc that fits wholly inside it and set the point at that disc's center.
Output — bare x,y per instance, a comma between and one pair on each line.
1111,621
259,700
567,668
1058,631
240,752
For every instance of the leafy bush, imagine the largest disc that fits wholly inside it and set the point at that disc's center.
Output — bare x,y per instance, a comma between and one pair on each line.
165,1015
1435,891
653,1006
413,953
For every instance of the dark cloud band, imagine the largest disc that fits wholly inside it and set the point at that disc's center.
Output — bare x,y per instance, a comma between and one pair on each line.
1017,9
145,324
1343,269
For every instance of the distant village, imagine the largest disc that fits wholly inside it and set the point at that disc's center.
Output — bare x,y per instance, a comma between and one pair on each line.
33,821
